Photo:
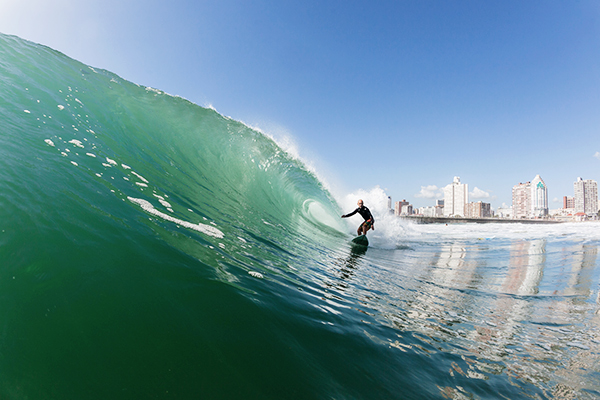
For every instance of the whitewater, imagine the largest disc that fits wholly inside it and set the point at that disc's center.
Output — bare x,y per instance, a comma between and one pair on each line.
153,248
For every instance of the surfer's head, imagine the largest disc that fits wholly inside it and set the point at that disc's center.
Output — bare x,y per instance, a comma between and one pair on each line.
360,203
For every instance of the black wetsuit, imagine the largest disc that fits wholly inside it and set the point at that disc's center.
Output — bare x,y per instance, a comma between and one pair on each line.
364,212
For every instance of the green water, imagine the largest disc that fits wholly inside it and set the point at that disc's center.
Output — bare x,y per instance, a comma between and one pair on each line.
152,248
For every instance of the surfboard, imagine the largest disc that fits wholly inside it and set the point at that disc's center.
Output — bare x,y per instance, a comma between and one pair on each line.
361,240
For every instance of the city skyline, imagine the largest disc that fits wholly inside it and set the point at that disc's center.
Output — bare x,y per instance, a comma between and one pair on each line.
521,192
433,193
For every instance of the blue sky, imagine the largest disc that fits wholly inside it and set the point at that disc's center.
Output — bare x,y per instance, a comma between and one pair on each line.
401,94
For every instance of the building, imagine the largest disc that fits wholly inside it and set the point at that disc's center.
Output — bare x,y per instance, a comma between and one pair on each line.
401,208
521,200
439,208
504,212
530,199
586,196
563,214
478,210
539,198
456,196
427,211
568,202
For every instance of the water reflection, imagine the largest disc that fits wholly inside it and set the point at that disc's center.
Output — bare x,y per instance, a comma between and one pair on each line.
523,309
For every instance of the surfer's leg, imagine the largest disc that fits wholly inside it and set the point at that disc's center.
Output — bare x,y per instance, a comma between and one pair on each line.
360,230
366,226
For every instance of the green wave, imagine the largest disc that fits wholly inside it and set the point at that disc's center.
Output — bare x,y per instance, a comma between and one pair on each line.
91,145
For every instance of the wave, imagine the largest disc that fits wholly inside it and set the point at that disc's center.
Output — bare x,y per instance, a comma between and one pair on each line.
91,134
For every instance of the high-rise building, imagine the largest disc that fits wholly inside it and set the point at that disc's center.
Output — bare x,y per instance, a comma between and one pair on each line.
521,200
456,196
539,198
530,199
586,196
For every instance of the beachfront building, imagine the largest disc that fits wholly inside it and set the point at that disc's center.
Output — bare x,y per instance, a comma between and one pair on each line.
530,199
504,212
401,208
568,202
456,196
439,208
539,198
562,214
586,197
427,211
478,210
521,200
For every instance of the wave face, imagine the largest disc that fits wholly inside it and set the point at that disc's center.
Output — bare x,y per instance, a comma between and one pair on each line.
152,248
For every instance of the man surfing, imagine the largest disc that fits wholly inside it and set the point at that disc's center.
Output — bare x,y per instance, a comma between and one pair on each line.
369,222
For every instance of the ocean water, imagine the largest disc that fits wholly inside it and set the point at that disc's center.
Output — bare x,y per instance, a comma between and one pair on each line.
154,249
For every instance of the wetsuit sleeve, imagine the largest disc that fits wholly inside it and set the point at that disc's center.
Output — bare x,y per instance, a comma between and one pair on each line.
351,214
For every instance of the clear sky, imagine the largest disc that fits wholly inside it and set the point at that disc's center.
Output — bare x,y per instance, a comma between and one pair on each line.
400,94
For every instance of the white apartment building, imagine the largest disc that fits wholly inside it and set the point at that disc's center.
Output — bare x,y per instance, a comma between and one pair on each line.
456,196
504,212
586,196
433,211
539,198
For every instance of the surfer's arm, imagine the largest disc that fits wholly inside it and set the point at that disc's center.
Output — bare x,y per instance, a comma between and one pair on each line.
351,214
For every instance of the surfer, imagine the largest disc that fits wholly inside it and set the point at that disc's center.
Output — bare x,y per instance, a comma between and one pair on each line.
369,222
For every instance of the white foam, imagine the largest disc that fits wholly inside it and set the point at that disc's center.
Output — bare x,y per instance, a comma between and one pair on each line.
27,111
113,162
206,229
90,155
61,107
76,143
164,203
125,166
49,142
139,176
151,89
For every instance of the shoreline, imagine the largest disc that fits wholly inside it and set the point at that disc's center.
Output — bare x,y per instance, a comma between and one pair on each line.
459,220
